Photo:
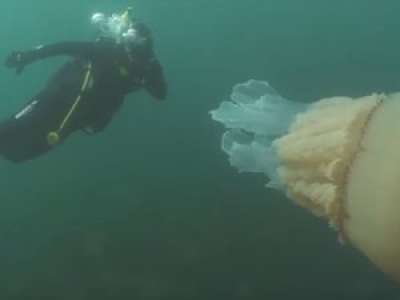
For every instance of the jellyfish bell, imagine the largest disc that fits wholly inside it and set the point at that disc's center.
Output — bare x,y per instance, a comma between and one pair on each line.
338,157
373,193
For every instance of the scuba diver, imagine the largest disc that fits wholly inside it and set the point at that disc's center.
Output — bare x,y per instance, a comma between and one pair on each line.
85,92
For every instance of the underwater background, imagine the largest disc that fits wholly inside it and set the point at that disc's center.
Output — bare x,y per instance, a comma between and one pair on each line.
151,209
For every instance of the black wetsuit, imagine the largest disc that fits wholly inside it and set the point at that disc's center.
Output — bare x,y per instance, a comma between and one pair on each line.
114,73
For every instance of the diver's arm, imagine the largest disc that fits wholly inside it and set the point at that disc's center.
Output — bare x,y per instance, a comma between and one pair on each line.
19,59
64,48
154,80
75,49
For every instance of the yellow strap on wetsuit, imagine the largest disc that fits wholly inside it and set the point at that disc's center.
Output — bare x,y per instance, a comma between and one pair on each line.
53,137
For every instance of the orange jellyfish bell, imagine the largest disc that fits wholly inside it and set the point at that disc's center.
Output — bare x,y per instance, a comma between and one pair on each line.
339,158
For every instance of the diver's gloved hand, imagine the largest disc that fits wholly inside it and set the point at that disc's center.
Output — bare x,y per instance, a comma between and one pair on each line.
17,60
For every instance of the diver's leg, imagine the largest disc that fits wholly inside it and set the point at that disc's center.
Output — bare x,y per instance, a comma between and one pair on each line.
23,136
